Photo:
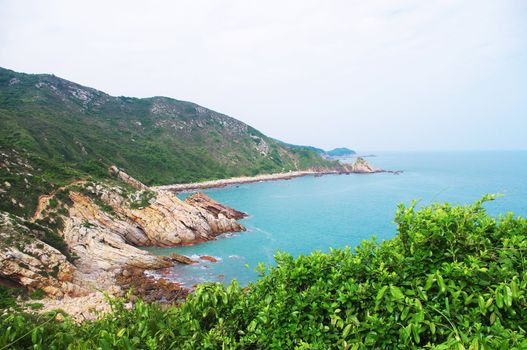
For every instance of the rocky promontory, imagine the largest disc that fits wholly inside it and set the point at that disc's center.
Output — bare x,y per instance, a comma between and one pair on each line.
361,166
103,226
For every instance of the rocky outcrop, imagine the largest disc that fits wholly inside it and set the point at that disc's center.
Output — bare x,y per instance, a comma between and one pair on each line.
103,226
182,259
108,240
104,243
200,200
115,171
150,289
362,166
33,264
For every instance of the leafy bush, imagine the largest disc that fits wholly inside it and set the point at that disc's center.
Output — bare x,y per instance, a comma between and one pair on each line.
37,294
7,298
453,278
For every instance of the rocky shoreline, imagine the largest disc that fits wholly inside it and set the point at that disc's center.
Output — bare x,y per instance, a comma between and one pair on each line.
104,227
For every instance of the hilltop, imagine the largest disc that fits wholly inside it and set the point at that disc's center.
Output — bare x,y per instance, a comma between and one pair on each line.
62,131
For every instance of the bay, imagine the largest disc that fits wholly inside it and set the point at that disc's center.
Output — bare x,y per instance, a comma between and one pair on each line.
306,214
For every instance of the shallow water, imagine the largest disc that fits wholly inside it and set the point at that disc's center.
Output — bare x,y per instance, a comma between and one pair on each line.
315,213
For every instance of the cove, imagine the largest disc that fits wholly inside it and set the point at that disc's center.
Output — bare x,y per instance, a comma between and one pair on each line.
306,214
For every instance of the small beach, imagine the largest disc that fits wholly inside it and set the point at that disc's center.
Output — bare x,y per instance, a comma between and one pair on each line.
242,180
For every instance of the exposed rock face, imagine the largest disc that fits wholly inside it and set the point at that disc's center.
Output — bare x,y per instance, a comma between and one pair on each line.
115,171
107,242
102,242
169,221
32,263
104,226
182,259
200,200
150,289
362,166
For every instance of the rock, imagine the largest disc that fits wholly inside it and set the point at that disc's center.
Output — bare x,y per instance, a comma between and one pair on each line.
201,200
32,263
149,289
105,239
105,242
209,258
362,166
182,259
115,171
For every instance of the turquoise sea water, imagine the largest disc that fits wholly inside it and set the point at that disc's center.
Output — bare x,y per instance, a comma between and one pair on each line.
307,214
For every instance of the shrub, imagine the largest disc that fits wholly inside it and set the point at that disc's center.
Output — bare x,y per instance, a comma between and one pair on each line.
453,278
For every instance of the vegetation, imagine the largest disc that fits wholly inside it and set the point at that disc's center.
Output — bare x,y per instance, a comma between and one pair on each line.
337,152
340,152
53,132
452,278
141,199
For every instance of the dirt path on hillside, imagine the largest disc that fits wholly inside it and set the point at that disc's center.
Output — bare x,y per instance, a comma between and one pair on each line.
44,199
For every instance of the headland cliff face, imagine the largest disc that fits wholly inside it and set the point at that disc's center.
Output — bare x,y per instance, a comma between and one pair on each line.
103,226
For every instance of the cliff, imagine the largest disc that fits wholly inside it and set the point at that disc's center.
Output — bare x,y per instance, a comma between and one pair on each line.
361,166
103,226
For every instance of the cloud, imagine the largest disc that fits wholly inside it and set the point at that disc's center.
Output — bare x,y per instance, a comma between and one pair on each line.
365,74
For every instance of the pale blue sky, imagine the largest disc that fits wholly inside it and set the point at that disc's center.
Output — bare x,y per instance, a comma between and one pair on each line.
371,75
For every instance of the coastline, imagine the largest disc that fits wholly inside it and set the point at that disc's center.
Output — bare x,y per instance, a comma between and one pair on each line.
244,180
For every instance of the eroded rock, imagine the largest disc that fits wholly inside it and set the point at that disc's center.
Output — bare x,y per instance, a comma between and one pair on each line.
33,264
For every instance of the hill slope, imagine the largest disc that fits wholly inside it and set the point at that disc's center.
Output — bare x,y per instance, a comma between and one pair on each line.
334,153
64,131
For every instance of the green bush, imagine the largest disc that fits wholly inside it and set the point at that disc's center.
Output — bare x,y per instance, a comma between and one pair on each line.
37,294
453,278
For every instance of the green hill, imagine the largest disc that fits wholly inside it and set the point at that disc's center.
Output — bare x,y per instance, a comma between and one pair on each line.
337,152
64,131
340,152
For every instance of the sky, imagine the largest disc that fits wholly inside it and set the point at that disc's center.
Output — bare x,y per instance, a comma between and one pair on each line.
369,75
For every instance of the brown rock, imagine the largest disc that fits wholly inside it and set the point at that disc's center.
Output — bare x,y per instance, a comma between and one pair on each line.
201,200
33,264
209,258
362,166
182,259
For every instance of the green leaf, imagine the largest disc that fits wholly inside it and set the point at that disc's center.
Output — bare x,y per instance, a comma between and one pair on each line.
121,332
346,331
396,293
499,298
415,333
492,318
507,296
441,283
380,293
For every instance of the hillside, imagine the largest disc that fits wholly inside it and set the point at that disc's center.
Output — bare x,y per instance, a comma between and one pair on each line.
53,131
341,152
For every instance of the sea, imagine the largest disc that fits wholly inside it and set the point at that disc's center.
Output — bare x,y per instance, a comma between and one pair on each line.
308,214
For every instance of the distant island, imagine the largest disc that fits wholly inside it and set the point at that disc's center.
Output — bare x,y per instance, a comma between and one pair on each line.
341,152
